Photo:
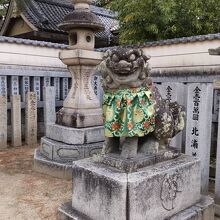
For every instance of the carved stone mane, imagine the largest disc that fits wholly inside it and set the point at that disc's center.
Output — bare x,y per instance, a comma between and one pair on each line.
123,68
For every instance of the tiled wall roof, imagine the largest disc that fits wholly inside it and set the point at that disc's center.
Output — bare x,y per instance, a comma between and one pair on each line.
32,42
47,14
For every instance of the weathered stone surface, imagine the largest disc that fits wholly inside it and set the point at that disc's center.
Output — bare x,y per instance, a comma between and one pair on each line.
81,108
65,134
25,87
73,135
3,88
207,208
3,120
57,87
217,176
52,168
66,212
216,101
97,87
82,118
31,119
14,86
47,81
49,105
164,189
61,152
217,210
198,127
92,149
64,88
16,120
99,192
124,69
142,160
199,211
36,85
203,210
174,92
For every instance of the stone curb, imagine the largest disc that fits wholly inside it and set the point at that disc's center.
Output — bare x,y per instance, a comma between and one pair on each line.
52,168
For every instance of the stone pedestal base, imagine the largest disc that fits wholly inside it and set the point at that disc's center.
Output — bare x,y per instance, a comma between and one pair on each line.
79,118
141,161
155,192
217,210
52,168
74,135
64,153
63,145
203,210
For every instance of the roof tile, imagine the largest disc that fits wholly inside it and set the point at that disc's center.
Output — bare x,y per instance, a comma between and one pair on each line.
47,14
182,40
32,42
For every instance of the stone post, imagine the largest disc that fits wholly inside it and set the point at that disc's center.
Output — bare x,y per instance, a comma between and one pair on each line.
217,176
57,87
174,92
64,88
16,120
25,87
37,87
198,127
216,118
49,106
14,85
3,120
46,81
3,86
31,119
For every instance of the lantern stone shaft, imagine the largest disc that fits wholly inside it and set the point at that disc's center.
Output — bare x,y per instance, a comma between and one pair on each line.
81,107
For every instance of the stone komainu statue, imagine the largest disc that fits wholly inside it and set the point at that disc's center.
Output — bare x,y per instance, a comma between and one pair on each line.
133,107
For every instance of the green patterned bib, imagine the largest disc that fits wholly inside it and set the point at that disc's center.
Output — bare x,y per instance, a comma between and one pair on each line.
129,112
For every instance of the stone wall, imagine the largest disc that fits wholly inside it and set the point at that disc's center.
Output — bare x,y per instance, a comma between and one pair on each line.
184,60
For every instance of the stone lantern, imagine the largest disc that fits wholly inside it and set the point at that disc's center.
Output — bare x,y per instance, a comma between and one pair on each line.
78,132
81,107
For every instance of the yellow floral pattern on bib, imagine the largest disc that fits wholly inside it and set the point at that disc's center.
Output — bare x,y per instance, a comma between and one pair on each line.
129,112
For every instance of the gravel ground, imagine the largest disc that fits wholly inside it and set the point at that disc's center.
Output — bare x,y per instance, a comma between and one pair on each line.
27,195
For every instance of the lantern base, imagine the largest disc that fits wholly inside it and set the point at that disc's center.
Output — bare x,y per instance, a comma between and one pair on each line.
83,118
